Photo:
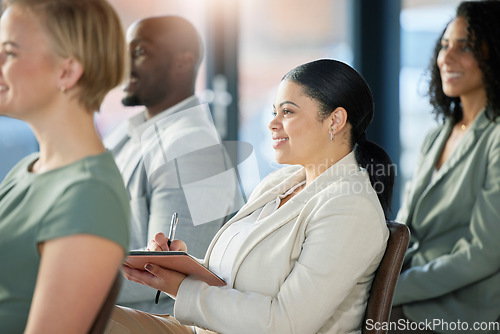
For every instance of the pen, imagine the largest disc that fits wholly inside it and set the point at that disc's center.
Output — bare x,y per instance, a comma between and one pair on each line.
173,227
171,235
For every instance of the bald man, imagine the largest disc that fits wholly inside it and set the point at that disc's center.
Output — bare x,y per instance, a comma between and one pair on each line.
170,154
165,52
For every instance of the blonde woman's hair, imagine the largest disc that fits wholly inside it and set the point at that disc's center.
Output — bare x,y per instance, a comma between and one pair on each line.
89,31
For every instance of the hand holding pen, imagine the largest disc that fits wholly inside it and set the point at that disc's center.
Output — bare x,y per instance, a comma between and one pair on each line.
171,235
160,242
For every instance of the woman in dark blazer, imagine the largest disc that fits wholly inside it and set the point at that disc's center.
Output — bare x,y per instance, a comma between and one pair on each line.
452,205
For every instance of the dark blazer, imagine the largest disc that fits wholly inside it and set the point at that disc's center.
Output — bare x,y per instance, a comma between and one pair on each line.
455,226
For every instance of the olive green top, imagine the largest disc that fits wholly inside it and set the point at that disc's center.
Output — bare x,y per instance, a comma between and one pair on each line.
87,196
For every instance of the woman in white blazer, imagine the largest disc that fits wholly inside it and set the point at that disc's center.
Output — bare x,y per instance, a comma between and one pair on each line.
300,256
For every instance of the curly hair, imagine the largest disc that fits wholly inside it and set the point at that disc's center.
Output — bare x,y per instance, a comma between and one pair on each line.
483,34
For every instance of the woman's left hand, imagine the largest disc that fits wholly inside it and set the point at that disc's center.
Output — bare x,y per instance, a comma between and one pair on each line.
156,277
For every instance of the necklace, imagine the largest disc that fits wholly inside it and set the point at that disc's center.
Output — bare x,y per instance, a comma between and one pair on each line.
462,125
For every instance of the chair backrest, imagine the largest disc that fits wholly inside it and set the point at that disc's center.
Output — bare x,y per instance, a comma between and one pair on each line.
378,309
102,318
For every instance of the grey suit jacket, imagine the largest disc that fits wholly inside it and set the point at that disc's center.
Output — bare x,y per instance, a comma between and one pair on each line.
306,268
455,225
174,162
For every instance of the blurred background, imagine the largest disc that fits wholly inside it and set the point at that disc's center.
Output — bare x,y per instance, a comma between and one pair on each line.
251,44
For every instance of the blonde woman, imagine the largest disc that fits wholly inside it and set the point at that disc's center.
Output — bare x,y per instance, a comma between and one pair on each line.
63,211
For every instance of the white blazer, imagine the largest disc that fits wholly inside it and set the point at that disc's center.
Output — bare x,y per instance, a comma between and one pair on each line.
307,268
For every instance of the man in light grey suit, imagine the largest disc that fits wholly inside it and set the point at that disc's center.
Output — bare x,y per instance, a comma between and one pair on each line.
170,155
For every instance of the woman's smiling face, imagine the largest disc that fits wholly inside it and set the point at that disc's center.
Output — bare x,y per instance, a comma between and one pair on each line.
299,136
28,65
460,73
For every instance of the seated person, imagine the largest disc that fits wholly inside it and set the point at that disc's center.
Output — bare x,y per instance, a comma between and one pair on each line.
452,205
64,211
301,255
170,155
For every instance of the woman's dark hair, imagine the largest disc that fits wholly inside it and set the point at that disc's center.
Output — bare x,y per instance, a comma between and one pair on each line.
334,84
483,30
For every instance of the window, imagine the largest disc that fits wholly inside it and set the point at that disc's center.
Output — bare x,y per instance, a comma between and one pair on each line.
421,25
276,36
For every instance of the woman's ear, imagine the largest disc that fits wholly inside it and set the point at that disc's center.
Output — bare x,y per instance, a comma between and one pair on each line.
71,72
338,119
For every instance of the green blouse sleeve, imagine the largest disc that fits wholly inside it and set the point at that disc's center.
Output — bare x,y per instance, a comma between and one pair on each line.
88,207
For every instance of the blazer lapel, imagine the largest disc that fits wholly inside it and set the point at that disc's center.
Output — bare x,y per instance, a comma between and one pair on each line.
288,211
267,226
269,195
294,206
271,223
259,202
467,143
430,154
